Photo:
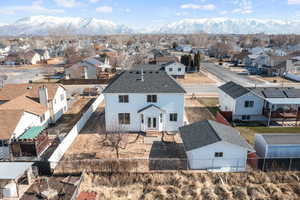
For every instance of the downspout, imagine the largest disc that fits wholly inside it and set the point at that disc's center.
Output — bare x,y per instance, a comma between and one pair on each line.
270,114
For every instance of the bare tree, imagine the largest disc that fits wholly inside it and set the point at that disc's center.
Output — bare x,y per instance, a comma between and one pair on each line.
116,139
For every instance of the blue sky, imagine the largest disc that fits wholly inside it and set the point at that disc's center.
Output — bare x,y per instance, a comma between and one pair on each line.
143,13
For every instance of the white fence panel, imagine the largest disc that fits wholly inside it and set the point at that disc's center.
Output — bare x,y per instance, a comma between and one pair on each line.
71,136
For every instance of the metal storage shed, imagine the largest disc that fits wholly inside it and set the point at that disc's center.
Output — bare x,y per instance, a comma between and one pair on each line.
277,145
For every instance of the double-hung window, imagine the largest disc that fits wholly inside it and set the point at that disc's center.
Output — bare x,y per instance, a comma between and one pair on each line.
152,98
123,99
124,118
173,117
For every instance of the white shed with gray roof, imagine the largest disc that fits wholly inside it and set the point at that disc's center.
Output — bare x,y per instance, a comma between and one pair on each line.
277,145
210,145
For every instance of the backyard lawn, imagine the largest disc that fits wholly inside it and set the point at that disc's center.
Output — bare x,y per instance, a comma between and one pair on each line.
211,104
249,132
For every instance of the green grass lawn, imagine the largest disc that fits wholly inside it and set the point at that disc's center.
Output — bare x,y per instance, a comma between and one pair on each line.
249,132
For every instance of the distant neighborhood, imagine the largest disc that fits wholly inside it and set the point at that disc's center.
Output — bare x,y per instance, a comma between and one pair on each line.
75,106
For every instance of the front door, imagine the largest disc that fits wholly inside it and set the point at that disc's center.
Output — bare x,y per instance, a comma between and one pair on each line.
152,123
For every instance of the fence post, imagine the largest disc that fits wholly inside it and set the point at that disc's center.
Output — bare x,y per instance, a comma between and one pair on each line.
290,165
263,167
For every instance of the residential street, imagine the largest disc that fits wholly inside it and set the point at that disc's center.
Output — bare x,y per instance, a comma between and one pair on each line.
226,75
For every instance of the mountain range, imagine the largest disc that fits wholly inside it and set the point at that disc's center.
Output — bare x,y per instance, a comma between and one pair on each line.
44,25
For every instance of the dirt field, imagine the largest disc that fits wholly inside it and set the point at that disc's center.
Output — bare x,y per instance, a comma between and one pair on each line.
195,185
93,145
196,78
198,110
70,118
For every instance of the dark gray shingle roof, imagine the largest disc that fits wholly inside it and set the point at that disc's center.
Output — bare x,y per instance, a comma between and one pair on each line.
283,139
154,82
207,132
233,89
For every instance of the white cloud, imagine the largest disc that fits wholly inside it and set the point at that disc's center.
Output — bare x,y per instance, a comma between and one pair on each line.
35,7
198,7
243,6
127,10
104,9
293,2
67,3
94,1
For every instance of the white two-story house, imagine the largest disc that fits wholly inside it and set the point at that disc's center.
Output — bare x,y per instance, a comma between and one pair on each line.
144,100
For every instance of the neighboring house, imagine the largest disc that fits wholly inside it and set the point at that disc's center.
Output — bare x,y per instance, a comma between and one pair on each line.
277,145
44,54
4,49
175,69
13,59
156,53
259,104
144,101
184,48
210,145
163,60
293,65
31,57
89,68
21,135
52,96
240,58
14,177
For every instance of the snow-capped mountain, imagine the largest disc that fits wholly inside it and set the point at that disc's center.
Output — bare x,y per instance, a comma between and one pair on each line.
235,26
43,25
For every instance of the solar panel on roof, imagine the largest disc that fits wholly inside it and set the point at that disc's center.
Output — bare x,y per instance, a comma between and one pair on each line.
292,93
274,93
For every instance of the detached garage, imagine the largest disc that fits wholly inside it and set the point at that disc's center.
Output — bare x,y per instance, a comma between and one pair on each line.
210,145
277,145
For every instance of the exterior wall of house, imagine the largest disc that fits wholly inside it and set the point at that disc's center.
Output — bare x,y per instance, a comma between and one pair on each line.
59,105
227,103
27,120
36,58
91,71
234,157
241,110
173,69
170,103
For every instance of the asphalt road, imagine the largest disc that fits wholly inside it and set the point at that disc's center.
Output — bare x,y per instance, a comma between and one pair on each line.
16,75
226,75
201,89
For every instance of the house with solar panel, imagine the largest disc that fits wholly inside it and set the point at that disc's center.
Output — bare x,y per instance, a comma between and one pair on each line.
144,101
267,104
